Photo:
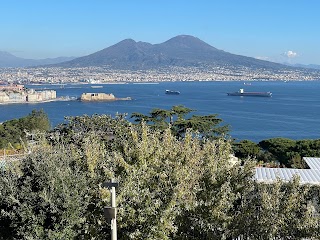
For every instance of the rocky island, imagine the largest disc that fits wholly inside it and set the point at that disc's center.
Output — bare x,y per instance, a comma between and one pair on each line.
100,97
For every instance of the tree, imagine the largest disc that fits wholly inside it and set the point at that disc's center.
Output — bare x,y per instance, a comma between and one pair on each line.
297,162
208,126
245,149
36,120
158,174
285,211
281,148
308,148
290,152
14,131
169,188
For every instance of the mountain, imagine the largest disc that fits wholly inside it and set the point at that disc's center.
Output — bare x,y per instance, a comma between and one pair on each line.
182,50
9,60
312,66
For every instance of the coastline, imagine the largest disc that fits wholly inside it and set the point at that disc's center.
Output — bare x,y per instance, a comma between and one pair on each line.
59,99
246,115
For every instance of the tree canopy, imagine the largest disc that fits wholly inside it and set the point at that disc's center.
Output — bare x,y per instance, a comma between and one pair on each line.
278,151
14,131
169,188
179,121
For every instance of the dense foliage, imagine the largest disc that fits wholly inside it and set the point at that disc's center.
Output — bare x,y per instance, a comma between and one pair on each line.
283,151
14,131
169,188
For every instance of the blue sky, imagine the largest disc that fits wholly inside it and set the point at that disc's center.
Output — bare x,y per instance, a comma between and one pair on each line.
277,30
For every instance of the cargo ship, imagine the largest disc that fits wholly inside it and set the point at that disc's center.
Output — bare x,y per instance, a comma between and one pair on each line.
241,92
172,92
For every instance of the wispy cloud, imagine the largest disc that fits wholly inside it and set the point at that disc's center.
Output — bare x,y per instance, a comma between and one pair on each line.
263,58
290,54
285,57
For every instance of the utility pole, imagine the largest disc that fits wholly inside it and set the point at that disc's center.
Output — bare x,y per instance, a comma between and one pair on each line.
110,213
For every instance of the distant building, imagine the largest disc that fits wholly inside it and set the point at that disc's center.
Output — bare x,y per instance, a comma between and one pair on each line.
39,96
100,97
12,87
97,97
307,176
18,94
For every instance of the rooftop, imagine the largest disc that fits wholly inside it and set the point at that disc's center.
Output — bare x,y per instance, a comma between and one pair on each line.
307,176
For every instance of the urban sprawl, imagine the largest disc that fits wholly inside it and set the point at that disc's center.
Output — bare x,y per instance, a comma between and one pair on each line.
108,75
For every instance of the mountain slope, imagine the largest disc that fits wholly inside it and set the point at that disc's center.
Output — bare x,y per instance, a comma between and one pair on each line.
9,60
119,55
182,50
312,66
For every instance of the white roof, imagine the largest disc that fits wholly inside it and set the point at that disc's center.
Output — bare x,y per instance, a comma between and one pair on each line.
307,176
313,163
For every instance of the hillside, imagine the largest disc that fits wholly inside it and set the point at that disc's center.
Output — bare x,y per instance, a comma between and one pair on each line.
9,60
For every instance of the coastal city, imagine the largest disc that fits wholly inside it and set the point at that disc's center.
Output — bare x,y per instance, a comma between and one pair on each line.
19,94
105,74
163,120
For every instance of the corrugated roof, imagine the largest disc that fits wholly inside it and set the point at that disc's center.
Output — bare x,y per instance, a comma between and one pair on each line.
313,163
307,176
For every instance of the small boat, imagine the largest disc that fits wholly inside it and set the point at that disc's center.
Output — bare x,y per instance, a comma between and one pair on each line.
97,86
241,92
171,92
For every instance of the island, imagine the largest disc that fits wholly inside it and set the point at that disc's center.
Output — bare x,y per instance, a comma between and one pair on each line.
89,97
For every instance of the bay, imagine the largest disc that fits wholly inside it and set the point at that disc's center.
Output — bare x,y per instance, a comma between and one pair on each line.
293,111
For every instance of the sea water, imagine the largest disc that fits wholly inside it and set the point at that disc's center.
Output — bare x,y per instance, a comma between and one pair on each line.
293,111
